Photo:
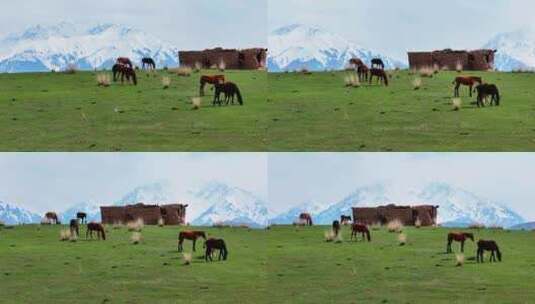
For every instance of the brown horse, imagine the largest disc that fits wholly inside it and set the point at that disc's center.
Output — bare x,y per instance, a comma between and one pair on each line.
491,246
95,227
215,244
363,71
485,90
74,226
345,219
306,218
380,74
52,218
214,79
458,237
336,227
469,81
362,229
125,61
356,62
82,216
229,89
189,235
124,71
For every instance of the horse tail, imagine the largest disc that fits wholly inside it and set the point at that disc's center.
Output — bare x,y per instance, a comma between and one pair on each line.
225,251
240,99
498,253
497,97
368,235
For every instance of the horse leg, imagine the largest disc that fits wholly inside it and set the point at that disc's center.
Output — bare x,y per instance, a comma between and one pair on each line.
462,246
179,247
194,240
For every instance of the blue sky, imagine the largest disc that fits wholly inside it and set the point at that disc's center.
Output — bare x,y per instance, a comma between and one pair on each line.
393,27
186,23
53,181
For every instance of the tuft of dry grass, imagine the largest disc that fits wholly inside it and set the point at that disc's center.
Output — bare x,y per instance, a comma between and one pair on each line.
436,68
222,66
103,80
456,103
184,71
351,80
45,221
418,223
187,258
117,225
395,226
73,238
65,235
136,225
402,239
161,223
136,238
166,82
329,236
426,72
71,69
459,67
338,238
197,67
459,258
417,83
196,102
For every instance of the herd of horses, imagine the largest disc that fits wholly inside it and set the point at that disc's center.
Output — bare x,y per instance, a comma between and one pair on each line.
367,74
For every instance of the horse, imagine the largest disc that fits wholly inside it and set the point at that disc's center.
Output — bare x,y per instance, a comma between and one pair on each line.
95,227
74,226
229,89
360,228
124,70
458,237
148,62
345,219
307,218
491,246
82,216
215,79
125,61
380,74
362,72
485,90
356,62
52,217
469,81
215,244
378,63
189,235
336,227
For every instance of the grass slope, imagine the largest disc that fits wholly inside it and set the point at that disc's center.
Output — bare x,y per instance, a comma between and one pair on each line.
60,112
280,265
318,113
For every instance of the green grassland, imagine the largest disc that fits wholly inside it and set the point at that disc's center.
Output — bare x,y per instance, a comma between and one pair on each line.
280,265
68,112
318,113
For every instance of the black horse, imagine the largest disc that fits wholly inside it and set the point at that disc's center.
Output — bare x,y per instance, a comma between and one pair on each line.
124,71
215,244
491,246
345,219
336,227
378,63
148,62
82,216
485,90
74,227
229,89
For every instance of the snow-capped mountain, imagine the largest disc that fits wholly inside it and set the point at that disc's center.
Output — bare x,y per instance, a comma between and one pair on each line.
515,50
92,210
296,46
45,48
291,215
157,192
11,214
457,207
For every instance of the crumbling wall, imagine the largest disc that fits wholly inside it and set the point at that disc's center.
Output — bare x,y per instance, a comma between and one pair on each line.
173,214
406,214
234,59
477,60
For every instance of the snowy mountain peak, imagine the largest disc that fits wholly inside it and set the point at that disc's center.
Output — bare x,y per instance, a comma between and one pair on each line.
11,214
516,49
157,192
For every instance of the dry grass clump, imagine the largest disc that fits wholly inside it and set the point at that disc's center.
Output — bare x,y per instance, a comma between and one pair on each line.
65,235
459,258
136,225
198,67
436,68
117,225
196,102
426,72
300,222
395,226
46,221
418,223
71,69
161,222
459,67
103,80
417,83
477,226
329,236
136,238
456,103
221,66
184,71
187,258
351,80
166,82
402,239
338,238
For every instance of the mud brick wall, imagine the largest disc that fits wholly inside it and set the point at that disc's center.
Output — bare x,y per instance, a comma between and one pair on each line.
149,214
478,60
406,214
113,215
367,216
248,59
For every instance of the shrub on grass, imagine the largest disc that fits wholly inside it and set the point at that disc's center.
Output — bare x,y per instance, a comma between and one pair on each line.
351,80
136,238
417,83
196,102
166,82
46,221
71,69
117,225
103,80
186,258
184,71
64,235
329,236
459,258
456,103
136,225
426,72
402,239
418,223
161,223
222,66
459,67
395,226
198,67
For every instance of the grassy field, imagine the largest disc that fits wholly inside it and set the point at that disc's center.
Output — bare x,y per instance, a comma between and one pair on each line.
318,113
280,265
62,112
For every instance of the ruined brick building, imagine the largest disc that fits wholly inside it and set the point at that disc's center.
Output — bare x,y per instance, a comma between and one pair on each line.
427,214
172,214
477,60
246,59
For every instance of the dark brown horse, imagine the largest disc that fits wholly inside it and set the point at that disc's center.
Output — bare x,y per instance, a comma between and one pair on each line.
82,216
336,227
378,63
229,90
458,237
345,219
491,246
52,218
363,72
362,229
214,79
380,74
306,218
192,235
356,62
215,244
125,61
485,90
469,81
98,228
148,62
74,226
124,71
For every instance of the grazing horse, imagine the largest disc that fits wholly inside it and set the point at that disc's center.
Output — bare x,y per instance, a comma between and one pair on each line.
491,246
360,228
124,71
363,71
52,217
380,74
469,81
485,90
229,89
336,227
345,219
215,79
95,227
189,235
378,63
306,218
356,62
148,62
82,216
125,61
458,237
215,244
74,226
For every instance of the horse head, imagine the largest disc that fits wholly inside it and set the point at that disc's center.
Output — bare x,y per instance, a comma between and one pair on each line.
470,236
